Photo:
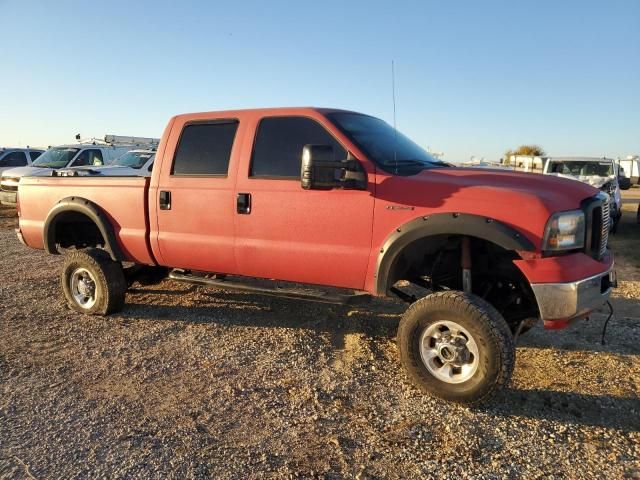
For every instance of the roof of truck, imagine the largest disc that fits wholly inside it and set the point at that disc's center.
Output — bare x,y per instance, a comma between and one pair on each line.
261,112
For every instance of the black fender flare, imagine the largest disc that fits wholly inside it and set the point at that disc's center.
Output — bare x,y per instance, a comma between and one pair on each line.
444,224
93,212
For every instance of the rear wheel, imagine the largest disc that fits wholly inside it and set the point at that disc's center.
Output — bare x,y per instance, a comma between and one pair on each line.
456,346
92,283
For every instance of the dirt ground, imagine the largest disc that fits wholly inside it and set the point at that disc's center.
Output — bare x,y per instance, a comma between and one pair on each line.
196,383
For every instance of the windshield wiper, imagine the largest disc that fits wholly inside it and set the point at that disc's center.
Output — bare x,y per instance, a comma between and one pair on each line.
404,162
416,163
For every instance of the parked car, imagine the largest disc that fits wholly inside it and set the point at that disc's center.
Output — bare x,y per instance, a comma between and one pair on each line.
602,173
341,201
17,157
623,180
631,165
93,153
132,164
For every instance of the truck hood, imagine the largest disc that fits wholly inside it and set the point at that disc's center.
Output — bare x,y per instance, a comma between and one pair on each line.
594,180
524,201
497,186
26,172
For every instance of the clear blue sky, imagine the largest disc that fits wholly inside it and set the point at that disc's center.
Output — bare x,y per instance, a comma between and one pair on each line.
472,78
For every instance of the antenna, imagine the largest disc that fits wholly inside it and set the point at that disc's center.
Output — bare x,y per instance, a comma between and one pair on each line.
395,128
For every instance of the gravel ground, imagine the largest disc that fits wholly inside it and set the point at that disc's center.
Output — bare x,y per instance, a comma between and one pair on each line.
190,382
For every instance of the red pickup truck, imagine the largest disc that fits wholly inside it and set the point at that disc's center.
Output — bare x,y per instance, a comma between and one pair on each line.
337,199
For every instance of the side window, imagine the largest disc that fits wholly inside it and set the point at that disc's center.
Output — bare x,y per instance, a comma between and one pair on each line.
95,157
14,159
81,160
205,148
34,155
277,150
88,157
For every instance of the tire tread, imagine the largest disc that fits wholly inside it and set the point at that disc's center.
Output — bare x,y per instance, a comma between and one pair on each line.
482,312
109,274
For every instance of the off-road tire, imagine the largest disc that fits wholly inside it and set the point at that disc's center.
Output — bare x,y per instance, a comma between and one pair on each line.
489,330
109,279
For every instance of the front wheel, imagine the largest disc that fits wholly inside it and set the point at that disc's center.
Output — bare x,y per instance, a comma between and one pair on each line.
456,346
92,283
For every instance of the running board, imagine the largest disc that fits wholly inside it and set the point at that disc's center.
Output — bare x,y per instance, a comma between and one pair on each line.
291,293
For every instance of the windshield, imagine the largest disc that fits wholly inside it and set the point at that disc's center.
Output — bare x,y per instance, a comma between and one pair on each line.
585,168
56,157
133,159
387,147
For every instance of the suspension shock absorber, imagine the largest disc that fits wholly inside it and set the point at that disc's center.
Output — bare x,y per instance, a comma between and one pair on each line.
466,264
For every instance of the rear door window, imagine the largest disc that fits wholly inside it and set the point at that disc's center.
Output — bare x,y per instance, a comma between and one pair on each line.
95,157
205,148
88,157
277,152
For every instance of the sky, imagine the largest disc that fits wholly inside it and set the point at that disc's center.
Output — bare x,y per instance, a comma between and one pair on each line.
471,78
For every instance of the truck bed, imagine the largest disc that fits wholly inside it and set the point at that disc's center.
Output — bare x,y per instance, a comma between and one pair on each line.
122,199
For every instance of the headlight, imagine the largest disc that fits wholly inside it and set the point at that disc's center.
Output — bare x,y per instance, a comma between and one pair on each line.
564,231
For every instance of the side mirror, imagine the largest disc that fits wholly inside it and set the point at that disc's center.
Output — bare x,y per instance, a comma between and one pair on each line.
319,170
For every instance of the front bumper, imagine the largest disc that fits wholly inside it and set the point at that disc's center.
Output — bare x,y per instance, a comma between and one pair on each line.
560,303
8,198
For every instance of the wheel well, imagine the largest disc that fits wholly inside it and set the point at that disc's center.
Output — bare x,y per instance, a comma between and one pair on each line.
434,262
78,222
75,229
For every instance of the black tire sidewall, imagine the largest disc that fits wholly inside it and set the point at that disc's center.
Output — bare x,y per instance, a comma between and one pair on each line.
68,270
476,321
110,282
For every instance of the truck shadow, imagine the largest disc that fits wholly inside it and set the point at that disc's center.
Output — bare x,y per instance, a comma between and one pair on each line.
622,334
556,395
621,413
376,319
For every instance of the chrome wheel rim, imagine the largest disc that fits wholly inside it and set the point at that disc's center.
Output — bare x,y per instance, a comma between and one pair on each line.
449,352
84,288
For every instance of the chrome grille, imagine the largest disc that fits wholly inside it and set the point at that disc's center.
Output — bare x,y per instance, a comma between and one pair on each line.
604,237
596,213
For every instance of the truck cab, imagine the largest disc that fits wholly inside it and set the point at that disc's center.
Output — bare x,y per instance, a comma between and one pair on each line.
344,207
134,163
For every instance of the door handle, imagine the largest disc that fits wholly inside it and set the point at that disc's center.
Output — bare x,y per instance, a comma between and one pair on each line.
165,200
243,203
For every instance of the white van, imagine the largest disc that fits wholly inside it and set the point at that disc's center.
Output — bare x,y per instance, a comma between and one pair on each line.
631,166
